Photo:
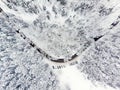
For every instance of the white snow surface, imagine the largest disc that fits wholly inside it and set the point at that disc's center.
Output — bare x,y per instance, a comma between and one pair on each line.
61,28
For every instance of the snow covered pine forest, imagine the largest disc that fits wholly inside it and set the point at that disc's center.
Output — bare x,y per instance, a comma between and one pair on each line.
59,45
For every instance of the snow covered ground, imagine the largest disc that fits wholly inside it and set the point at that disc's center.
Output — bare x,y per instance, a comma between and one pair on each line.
34,32
21,66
